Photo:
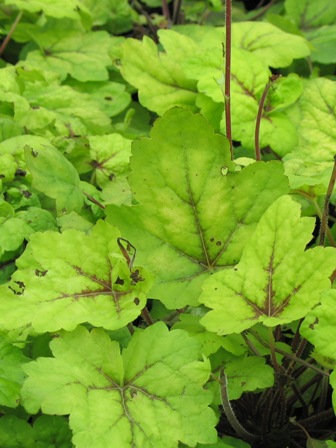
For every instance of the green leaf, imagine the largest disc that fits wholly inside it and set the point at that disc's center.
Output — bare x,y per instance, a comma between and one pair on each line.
125,399
63,109
249,77
248,374
307,14
55,177
310,163
177,177
117,15
83,56
317,21
111,96
275,282
47,432
319,324
272,45
13,231
210,342
11,373
66,279
52,432
110,157
159,76
54,8
15,433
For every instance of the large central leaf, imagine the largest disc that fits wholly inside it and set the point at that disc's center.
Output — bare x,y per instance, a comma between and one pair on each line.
151,396
193,219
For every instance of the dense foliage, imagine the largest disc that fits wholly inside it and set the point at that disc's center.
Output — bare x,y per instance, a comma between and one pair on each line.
154,290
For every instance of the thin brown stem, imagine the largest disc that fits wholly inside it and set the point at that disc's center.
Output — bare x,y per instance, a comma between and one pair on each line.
264,9
227,87
151,26
272,79
92,199
325,214
10,33
166,12
146,316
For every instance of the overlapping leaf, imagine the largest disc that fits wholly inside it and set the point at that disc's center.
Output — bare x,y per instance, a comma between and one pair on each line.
319,325
47,432
275,281
55,176
84,57
11,373
70,278
159,76
310,163
192,219
317,22
53,8
151,395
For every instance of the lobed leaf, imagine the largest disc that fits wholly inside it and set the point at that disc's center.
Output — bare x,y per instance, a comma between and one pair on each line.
69,278
276,281
151,395
178,180
310,163
158,76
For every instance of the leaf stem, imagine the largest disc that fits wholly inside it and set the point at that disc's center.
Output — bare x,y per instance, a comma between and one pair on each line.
227,87
146,316
325,214
10,33
95,201
271,81
231,416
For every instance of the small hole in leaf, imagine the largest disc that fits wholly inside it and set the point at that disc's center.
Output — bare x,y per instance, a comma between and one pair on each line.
119,281
212,240
218,243
39,273
136,301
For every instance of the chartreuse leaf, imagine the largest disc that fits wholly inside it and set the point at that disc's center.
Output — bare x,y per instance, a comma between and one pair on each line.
55,176
117,15
249,76
276,281
151,395
11,373
66,279
159,76
317,22
47,103
83,56
177,177
210,342
225,442
52,8
248,374
110,157
272,45
310,163
319,324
